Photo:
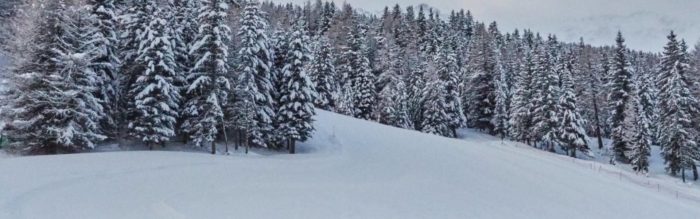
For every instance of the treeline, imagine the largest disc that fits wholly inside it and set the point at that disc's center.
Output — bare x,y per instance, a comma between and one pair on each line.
198,69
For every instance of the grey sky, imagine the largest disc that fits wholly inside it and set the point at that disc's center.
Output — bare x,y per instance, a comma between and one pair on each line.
645,23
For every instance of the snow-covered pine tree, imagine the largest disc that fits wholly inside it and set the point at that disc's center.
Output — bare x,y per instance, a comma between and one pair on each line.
590,96
695,58
156,98
183,22
255,60
240,113
133,22
106,63
415,87
401,31
435,119
645,112
641,139
182,17
447,71
619,99
677,107
521,122
296,103
55,110
326,18
501,107
391,106
430,43
422,31
545,115
364,93
324,76
279,44
359,74
8,12
603,69
345,100
208,80
572,134
480,95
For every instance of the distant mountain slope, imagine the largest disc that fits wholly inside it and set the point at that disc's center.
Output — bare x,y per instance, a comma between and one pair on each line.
350,169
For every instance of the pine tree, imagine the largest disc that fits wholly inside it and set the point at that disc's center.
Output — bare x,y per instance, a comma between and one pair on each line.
695,58
364,96
447,73
521,119
619,99
359,74
501,113
545,114
183,20
294,117
156,99
279,48
435,119
392,106
134,21
591,97
324,76
482,67
643,135
641,141
54,110
416,86
208,80
572,131
106,63
256,62
345,101
422,29
677,108
391,100
326,18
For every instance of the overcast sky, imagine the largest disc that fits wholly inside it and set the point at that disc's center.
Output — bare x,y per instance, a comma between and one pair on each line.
645,23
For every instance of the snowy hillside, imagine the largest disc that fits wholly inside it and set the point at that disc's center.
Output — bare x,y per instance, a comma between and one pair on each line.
350,169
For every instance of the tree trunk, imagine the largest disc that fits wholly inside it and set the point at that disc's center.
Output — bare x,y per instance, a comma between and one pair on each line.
247,144
238,139
150,146
213,147
292,146
597,123
695,172
683,174
223,128
573,153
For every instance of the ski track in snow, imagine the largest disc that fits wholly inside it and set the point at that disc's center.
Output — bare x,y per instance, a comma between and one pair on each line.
350,169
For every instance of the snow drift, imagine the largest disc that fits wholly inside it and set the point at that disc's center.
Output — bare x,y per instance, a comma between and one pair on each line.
350,169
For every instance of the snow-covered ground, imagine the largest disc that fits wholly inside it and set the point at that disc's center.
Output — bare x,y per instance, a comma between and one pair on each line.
350,169
657,168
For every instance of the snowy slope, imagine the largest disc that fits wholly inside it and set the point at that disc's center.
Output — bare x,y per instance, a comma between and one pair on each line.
350,169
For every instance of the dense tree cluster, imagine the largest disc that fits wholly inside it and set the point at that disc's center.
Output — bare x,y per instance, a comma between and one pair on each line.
199,70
